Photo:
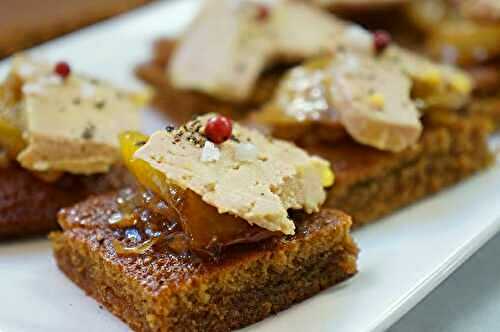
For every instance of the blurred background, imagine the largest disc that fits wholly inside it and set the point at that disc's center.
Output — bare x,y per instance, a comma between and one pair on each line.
25,23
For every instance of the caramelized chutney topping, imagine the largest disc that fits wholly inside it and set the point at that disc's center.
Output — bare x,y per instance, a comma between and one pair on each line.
182,224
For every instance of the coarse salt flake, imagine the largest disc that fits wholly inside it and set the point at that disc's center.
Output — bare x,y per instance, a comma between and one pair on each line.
51,80
32,89
41,165
358,37
87,91
210,152
26,70
352,64
246,152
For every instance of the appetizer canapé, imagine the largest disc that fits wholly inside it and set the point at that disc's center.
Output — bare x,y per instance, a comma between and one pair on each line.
465,33
460,32
243,41
58,141
393,124
225,230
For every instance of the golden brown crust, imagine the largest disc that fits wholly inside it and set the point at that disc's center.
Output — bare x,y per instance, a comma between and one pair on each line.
160,291
357,6
486,77
487,107
21,28
372,183
28,205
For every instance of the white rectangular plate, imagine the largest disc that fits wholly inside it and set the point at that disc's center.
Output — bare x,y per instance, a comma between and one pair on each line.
403,257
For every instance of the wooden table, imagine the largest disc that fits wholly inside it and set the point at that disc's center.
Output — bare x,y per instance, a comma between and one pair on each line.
25,23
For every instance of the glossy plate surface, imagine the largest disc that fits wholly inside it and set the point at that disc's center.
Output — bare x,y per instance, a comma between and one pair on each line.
403,257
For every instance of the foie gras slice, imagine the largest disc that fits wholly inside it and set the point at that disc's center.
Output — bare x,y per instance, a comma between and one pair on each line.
230,43
249,176
66,124
367,96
